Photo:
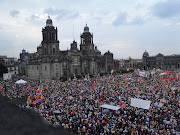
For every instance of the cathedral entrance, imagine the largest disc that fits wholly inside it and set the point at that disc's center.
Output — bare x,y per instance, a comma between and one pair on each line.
65,73
75,71
85,71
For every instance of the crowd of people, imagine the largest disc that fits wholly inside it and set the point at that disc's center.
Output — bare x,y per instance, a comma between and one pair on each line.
75,104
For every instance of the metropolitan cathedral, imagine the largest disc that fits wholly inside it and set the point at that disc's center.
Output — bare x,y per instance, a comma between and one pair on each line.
49,62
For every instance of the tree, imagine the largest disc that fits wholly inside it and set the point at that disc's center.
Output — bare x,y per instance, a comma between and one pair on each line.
3,70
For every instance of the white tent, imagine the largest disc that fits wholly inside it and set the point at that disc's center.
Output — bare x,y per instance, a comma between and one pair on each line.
111,107
140,103
21,81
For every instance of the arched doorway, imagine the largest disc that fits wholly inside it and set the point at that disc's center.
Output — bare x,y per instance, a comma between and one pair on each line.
65,73
75,72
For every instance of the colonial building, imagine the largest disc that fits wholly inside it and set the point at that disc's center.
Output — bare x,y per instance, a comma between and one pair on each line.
130,63
24,57
171,62
50,62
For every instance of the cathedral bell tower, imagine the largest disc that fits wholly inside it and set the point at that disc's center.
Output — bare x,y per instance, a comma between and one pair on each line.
86,46
50,43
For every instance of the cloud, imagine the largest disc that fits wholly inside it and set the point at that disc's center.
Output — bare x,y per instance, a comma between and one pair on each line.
137,21
122,19
14,13
34,17
62,13
98,20
166,9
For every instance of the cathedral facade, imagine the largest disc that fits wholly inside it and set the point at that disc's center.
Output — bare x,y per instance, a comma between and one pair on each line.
49,62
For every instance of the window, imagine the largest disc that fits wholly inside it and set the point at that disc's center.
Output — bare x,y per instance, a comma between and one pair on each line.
45,68
37,67
54,50
45,51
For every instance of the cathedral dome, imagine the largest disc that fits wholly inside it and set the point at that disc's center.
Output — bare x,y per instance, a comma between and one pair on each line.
86,28
49,22
145,54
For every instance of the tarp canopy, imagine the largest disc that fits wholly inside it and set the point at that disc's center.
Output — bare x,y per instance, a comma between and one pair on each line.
21,81
57,112
162,74
111,107
140,103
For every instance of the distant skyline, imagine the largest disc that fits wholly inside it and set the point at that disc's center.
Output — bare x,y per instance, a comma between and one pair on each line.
124,27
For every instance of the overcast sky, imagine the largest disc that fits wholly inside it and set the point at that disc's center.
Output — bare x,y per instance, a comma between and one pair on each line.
124,27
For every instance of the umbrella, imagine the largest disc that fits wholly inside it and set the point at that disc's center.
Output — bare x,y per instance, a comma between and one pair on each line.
21,81
57,112
60,105
35,102
39,100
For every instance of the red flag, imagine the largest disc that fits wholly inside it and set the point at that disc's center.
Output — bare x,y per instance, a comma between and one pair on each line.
39,97
29,87
39,91
23,91
87,77
123,105
73,112
120,101
123,121
139,79
1,89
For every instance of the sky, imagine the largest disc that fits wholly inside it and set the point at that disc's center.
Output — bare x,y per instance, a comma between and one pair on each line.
124,27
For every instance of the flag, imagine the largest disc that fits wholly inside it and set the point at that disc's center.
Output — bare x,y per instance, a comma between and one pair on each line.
123,121
38,90
23,91
38,94
87,77
139,80
1,89
128,69
112,71
29,87
123,105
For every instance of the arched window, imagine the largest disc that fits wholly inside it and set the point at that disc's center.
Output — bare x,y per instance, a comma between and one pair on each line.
54,50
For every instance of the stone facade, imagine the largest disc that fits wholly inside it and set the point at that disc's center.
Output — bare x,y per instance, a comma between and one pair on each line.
160,61
49,62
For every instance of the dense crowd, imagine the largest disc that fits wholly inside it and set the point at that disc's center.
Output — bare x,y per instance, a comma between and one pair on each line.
75,104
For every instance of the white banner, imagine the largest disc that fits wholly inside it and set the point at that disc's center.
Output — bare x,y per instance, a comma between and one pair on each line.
7,76
142,73
111,107
140,103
